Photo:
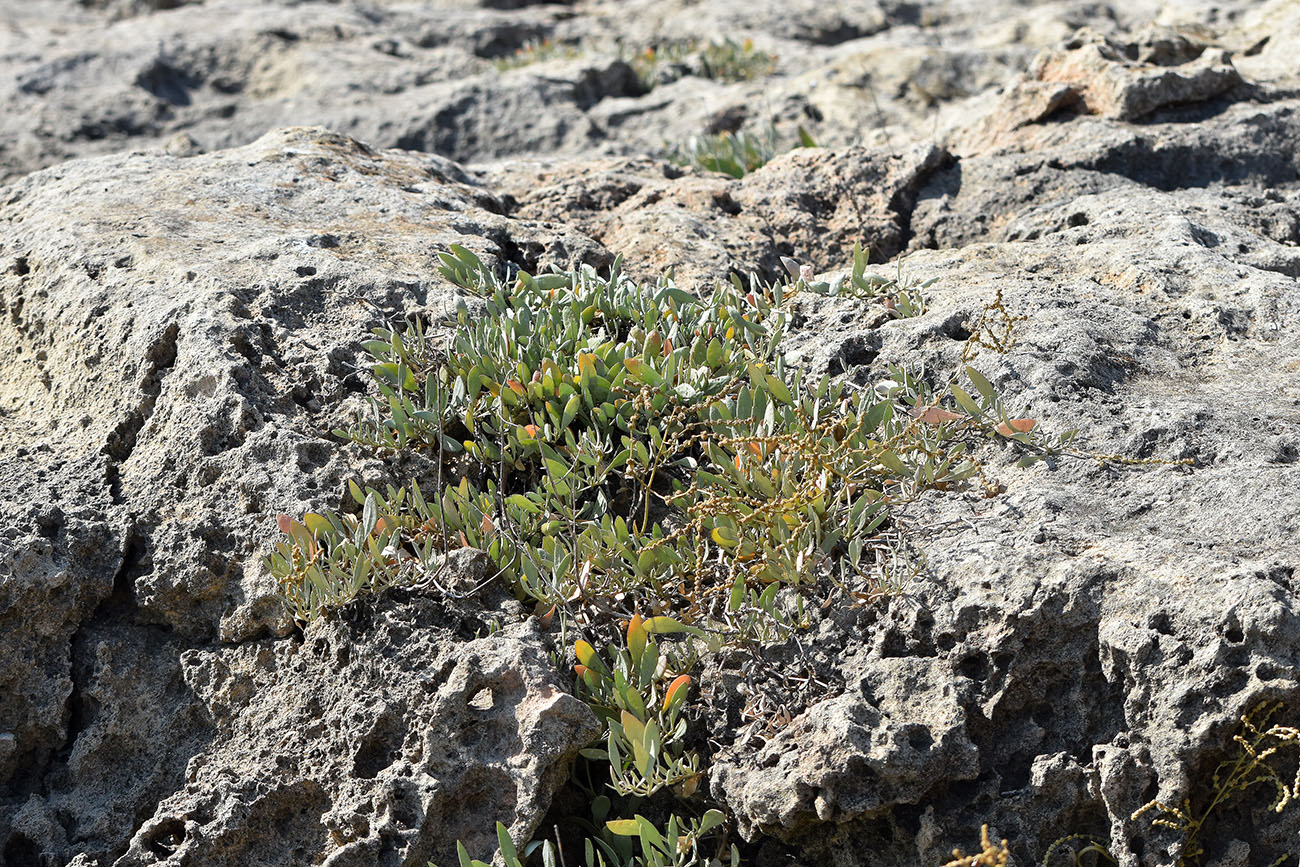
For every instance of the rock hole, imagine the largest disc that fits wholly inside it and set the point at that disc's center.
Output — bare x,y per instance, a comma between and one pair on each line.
859,351
243,345
305,271
919,738
1236,680
1016,776
20,266
1234,634
726,203
380,748
226,85
1256,48
1160,623
955,328
1077,219
21,852
973,667
167,82
166,837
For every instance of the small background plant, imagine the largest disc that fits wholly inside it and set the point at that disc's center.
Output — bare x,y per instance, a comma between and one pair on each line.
735,154
726,61
536,52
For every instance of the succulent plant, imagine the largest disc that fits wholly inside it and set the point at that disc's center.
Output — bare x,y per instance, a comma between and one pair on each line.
618,447
638,443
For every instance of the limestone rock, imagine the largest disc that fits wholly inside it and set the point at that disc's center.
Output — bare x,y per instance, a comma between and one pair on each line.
1128,81
855,755
813,204
379,740
1103,628
175,369
226,72
182,296
1119,79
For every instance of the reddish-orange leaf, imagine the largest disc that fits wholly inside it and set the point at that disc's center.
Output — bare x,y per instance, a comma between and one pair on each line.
581,670
1018,425
737,461
516,386
687,787
756,449
284,522
531,430
668,346
637,638
936,415
681,682
545,618
464,543
488,526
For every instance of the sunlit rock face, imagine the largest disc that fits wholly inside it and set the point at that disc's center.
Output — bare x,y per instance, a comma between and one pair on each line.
207,206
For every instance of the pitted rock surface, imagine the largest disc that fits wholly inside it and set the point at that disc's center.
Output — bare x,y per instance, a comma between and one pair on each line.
183,339
391,742
186,275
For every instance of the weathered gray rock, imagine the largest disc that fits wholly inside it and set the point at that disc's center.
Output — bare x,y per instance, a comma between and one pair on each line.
58,558
705,226
224,73
1103,628
189,368
856,757
379,740
175,369
181,329
1114,78
1262,41
104,76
